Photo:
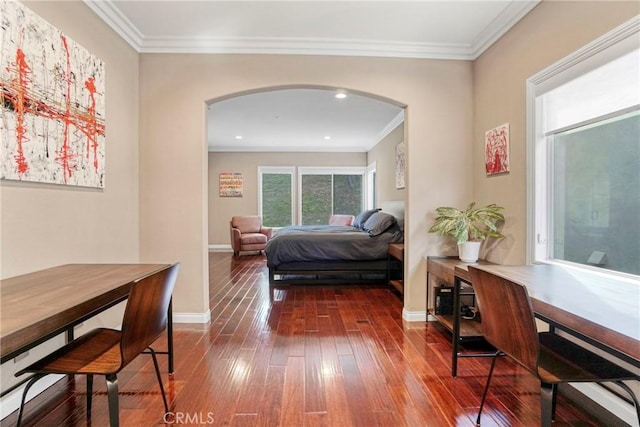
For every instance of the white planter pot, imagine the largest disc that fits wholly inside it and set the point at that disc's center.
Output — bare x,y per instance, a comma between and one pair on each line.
469,251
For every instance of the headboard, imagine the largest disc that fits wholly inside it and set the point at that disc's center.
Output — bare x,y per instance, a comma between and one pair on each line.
395,208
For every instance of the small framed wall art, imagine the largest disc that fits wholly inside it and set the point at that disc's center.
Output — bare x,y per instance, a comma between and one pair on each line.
230,184
496,150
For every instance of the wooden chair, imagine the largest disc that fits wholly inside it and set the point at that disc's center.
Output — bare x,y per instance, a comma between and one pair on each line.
107,351
248,234
508,323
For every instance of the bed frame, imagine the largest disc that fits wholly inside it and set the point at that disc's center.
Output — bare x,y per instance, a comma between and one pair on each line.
375,271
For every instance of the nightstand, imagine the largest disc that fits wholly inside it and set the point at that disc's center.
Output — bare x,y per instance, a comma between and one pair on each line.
396,251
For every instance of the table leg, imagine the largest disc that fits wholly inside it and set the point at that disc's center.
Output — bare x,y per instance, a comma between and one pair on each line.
455,334
170,335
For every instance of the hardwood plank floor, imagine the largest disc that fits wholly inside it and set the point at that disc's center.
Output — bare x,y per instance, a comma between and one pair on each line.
305,356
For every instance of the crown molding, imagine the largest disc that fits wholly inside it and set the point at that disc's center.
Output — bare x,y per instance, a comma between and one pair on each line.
109,13
119,23
304,46
509,17
394,123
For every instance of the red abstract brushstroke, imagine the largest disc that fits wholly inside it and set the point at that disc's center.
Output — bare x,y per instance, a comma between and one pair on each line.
21,83
65,157
17,94
92,138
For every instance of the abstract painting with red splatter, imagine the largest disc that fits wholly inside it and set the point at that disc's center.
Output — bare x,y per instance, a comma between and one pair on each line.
52,123
496,150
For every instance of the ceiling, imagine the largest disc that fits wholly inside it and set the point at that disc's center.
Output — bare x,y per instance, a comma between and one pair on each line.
299,119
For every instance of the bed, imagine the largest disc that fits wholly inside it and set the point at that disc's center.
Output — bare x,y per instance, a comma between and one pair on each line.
336,254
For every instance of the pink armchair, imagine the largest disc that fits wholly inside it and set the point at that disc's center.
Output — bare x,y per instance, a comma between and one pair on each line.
248,234
341,219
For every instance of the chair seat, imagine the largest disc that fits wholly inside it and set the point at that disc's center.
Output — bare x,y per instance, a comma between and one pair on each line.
561,360
253,239
97,352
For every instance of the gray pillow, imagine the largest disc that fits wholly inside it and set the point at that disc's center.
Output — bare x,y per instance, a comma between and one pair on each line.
363,217
378,223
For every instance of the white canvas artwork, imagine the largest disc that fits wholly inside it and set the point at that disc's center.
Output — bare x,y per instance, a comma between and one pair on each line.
52,103
400,166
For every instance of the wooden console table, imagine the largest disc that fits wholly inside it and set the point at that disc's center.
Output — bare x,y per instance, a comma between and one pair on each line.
450,272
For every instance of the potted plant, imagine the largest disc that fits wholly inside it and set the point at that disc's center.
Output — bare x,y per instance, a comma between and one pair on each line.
470,227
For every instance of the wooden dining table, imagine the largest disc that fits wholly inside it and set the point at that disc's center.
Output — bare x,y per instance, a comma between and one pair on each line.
37,306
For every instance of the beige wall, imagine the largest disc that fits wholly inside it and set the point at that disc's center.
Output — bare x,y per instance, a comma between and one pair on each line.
384,155
551,31
174,90
221,209
46,225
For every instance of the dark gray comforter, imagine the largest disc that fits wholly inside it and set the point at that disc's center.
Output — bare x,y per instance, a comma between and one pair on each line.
328,243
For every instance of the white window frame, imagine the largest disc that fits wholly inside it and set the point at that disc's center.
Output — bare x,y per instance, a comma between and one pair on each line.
330,170
370,185
597,53
291,170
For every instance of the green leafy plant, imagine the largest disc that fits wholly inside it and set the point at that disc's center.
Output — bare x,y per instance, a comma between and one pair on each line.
471,224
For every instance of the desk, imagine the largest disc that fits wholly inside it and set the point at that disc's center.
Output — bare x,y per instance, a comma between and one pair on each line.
599,310
38,306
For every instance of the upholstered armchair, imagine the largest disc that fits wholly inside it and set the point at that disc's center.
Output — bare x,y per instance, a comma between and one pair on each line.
248,234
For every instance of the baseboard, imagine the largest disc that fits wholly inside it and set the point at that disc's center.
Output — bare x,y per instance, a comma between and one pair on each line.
192,317
602,404
414,316
11,402
220,248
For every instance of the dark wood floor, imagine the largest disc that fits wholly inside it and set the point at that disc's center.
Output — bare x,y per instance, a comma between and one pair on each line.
305,356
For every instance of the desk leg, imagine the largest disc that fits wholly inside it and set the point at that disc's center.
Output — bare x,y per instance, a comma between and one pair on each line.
170,335
455,334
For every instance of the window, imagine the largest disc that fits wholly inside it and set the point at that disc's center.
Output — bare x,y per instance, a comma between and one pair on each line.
322,191
371,186
327,191
275,194
584,148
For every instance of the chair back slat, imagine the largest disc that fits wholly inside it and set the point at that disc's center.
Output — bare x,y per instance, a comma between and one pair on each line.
507,317
145,315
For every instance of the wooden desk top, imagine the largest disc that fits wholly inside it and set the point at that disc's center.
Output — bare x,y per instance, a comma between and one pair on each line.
446,267
38,304
597,306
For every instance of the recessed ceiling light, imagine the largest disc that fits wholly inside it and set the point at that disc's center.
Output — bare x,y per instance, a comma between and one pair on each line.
238,136
327,137
341,94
